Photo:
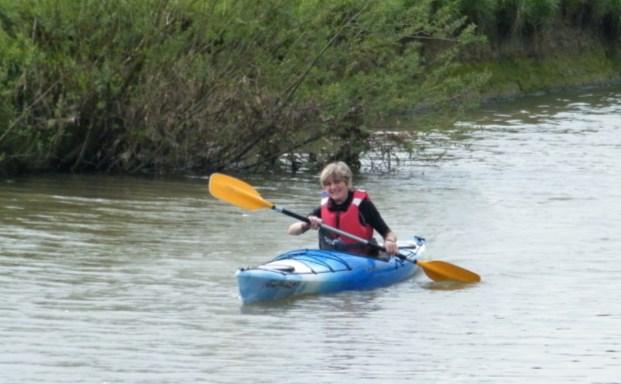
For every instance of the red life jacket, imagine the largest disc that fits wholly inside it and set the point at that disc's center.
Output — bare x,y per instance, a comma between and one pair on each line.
349,220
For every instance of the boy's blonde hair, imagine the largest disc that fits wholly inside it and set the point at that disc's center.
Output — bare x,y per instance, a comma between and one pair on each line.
336,171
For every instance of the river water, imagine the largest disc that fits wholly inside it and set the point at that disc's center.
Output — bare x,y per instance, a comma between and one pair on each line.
128,280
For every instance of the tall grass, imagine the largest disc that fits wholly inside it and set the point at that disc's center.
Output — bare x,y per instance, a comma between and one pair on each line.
509,19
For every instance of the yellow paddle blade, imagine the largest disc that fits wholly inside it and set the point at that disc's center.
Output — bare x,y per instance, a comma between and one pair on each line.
236,192
441,271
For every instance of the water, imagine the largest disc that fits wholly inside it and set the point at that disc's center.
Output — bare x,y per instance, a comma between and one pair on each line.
128,280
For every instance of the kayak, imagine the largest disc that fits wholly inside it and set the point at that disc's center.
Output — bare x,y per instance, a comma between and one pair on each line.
315,271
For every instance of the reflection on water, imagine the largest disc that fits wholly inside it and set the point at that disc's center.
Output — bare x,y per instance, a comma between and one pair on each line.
447,285
131,280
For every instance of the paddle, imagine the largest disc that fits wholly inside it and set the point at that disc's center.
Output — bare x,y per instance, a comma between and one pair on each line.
243,195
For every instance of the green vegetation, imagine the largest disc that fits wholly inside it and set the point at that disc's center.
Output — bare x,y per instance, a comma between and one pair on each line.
538,45
511,19
163,86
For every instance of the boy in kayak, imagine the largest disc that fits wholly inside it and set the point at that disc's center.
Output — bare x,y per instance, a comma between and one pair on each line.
349,210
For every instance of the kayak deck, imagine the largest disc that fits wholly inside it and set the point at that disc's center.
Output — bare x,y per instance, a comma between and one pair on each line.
314,271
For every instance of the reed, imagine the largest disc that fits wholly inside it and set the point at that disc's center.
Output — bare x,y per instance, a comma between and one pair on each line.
509,19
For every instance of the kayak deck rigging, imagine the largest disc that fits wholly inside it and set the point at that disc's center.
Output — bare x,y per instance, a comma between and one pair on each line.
308,258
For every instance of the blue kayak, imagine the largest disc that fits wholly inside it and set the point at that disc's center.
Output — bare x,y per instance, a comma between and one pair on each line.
315,271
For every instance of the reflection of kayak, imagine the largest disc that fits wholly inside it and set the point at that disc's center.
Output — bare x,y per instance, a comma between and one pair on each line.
314,271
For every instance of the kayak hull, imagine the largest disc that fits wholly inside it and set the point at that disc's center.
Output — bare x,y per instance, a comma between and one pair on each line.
314,271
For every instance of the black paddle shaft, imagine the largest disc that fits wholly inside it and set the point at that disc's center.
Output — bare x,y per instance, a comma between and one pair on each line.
335,230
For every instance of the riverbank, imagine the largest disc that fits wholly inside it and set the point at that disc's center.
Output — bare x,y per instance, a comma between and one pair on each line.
561,63
185,87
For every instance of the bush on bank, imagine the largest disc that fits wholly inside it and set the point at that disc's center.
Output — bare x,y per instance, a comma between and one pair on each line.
164,86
